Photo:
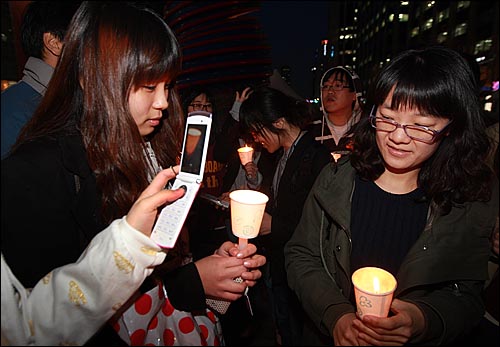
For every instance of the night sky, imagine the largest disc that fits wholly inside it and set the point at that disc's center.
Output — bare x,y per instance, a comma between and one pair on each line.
295,30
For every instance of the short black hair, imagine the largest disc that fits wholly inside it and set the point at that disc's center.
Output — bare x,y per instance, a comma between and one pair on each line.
45,17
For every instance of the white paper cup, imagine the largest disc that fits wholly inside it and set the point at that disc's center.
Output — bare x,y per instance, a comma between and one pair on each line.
246,154
193,137
373,289
247,210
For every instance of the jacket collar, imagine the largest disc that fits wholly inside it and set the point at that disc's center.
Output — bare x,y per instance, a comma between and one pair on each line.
37,74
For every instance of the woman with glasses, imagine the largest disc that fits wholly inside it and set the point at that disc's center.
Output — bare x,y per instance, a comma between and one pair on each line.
341,90
415,198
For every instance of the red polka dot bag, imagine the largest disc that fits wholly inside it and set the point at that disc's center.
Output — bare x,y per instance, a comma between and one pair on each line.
153,321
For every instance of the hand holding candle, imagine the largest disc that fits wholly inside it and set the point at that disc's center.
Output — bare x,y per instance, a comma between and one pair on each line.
247,210
373,288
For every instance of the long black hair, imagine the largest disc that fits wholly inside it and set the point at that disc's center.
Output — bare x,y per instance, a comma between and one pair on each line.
111,49
266,105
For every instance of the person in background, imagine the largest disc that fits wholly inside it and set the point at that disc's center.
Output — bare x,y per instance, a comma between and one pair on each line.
416,197
110,120
277,121
42,32
341,106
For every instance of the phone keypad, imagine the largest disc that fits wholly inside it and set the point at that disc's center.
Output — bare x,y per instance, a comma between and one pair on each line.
172,217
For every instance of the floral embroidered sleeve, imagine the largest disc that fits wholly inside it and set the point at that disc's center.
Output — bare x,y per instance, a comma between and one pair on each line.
72,302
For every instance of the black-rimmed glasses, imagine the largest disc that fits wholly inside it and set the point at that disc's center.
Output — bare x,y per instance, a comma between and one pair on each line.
200,107
337,86
414,132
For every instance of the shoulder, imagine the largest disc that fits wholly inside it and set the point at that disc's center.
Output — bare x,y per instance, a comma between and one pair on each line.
315,147
43,153
336,175
19,98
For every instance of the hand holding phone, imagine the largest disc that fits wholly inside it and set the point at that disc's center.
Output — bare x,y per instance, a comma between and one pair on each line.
192,168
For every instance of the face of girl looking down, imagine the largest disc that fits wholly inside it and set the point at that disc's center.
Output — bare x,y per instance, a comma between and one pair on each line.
146,104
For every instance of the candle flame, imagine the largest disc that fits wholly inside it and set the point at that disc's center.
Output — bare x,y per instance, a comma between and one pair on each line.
376,285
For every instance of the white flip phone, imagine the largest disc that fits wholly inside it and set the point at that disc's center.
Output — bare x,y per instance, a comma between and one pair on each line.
193,157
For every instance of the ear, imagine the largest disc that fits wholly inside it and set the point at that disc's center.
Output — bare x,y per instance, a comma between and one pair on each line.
52,44
279,123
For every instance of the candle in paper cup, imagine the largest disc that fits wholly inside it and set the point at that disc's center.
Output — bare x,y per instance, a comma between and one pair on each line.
245,154
247,210
373,289
193,137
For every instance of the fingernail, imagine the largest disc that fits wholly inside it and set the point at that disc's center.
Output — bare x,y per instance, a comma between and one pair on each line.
246,263
239,255
184,187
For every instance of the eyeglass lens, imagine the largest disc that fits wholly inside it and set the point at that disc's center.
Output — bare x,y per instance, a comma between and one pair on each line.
414,132
199,107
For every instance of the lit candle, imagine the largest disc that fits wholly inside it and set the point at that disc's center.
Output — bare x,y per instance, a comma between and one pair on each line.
336,156
373,289
376,285
246,154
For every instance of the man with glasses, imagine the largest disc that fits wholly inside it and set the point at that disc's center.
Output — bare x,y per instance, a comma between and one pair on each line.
341,92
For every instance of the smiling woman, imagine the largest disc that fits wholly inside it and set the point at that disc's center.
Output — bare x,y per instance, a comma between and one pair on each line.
415,196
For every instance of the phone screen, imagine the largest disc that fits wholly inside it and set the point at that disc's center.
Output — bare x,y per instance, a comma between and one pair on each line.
194,140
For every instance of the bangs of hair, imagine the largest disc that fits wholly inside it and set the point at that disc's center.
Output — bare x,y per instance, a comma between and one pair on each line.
139,45
159,58
340,75
421,83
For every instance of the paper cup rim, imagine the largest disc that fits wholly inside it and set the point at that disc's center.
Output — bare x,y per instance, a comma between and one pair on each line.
379,270
258,198
376,294
245,149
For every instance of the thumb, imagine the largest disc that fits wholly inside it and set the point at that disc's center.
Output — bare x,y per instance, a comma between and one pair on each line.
397,305
165,196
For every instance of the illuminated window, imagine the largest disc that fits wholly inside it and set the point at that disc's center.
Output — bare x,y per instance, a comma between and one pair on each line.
428,24
483,46
391,17
442,37
403,17
414,32
443,15
460,29
463,4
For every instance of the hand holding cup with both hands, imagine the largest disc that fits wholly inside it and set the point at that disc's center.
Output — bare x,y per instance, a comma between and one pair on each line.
218,271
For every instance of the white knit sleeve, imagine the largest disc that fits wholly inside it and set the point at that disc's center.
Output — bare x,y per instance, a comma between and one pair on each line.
72,302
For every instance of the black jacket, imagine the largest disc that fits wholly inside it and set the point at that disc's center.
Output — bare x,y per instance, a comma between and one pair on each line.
304,165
